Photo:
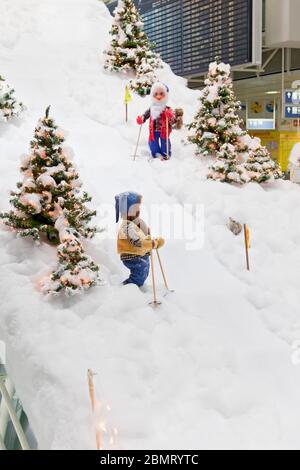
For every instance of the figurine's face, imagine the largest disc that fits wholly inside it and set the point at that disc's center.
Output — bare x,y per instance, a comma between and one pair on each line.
159,95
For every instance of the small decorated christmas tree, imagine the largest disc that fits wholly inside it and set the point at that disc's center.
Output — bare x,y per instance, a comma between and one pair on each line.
9,106
227,168
217,122
50,184
76,272
130,49
260,166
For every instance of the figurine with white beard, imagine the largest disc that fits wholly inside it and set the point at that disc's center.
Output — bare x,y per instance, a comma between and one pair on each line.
162,119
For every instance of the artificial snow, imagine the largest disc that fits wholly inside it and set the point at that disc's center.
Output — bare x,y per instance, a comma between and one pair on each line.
214,366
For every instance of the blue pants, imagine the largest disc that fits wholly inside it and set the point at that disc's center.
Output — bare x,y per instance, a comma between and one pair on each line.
139,270
159,146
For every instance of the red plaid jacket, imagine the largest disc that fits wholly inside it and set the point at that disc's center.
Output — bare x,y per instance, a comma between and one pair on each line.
159,124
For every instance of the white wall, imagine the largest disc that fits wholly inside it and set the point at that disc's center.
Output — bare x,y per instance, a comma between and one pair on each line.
283,23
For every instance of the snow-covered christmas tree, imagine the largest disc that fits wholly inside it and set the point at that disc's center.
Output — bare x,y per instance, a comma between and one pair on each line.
130,49
76,271
50,184
9,106
227,167
217,122
260,166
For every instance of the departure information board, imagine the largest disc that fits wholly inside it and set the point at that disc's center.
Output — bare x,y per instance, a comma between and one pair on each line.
189,34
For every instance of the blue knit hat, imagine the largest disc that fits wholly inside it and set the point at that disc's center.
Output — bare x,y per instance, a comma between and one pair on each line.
124,202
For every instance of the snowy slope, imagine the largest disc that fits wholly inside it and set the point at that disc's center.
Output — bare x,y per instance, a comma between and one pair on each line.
212,368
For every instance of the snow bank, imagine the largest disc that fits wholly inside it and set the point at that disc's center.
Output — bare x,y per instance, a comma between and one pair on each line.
212,368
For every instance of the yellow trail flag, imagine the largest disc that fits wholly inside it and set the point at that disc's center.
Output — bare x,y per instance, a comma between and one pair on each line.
247,236
127,97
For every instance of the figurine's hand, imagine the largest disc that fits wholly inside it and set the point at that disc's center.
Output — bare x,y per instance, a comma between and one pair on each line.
140,120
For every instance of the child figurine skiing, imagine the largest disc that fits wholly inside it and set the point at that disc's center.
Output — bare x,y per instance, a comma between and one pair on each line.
134,240
162,119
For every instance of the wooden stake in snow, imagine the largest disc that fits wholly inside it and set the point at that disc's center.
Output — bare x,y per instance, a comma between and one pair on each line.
93,403
138,143
247,244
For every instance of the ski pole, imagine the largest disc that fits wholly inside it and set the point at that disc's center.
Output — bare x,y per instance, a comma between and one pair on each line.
163,272
155,302
138,143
